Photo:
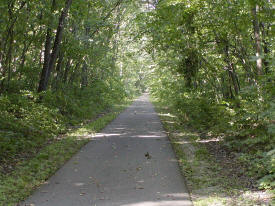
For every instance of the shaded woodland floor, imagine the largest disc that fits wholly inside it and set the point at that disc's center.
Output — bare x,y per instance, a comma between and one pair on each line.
214,175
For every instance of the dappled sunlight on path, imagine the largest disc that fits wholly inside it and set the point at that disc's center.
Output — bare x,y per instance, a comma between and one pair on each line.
129,163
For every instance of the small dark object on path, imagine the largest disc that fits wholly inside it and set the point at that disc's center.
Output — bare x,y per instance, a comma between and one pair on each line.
148,155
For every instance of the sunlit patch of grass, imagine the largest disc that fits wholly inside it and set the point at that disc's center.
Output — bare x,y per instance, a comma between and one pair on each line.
214,201
167,115
30,174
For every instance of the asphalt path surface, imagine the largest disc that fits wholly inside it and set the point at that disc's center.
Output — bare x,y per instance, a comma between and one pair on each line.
130,163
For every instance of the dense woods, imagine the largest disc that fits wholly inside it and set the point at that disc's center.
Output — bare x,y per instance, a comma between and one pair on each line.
63,62
214,63
58,66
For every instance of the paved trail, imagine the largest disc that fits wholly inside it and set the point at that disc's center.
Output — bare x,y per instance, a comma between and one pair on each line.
130,163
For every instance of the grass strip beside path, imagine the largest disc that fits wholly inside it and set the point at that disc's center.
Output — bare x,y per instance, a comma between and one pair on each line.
206,178
30,174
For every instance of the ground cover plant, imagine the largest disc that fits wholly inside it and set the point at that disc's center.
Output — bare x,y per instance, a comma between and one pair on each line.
213,174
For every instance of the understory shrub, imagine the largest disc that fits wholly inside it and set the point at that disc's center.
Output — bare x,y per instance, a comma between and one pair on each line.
28,120
245,126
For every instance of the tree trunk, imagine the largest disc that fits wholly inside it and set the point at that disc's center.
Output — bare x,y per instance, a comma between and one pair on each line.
50,62
58,69
256,28
233,78
73,74
265,46
66,72
84,79
6,55
42,83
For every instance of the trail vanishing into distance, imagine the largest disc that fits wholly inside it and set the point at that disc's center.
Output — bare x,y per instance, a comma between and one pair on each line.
68,68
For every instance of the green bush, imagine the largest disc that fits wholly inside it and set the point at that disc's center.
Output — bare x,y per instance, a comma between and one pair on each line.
25,124
202,114
246,123
28,120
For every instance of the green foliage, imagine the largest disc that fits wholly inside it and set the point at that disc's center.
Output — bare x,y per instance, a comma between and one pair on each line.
268,179
207,69
208,180
84,81
27,122
201,113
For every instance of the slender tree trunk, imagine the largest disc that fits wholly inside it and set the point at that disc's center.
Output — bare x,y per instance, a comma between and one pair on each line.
73,74
41,49
256,28
8,44
6,56
242,56
9,56
58,69
23,55
22,59
231,70
117,36
265,46
50,62
84,79
229,86
58,39
42,83
234,79
66,72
